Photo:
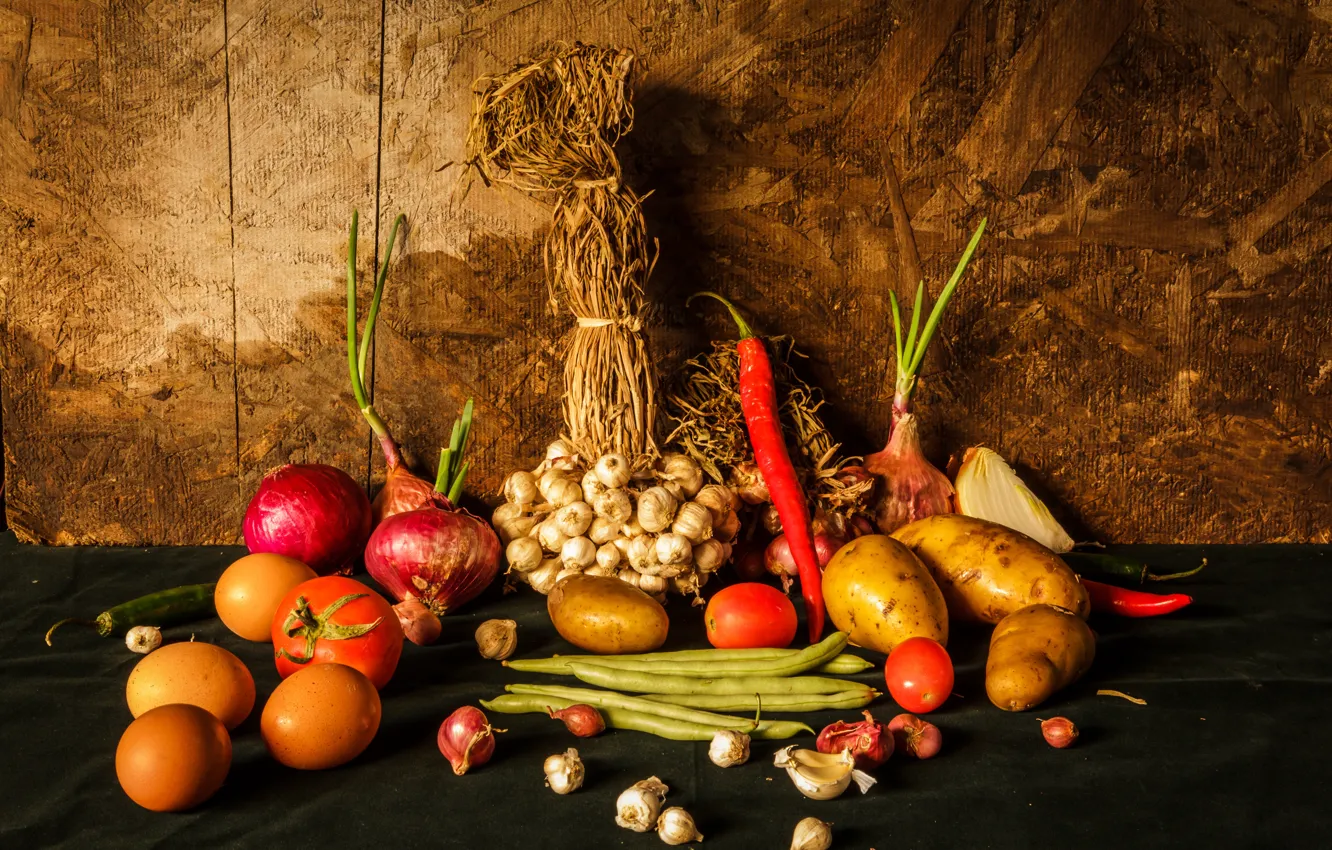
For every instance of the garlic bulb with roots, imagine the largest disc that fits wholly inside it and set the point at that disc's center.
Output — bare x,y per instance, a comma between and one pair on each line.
612,470
602,572
548,480
642,551
656,509
652,585
727,529
910,488
675,826
614,506
564,772
520,488
573,519
523,554
564,491
717,499
638,806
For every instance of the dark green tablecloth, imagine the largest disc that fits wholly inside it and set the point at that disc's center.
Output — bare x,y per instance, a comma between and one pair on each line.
1230,750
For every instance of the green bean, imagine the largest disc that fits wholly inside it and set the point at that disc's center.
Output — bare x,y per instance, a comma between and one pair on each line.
791,665
779,703
619,718
610,699
651,683
845,665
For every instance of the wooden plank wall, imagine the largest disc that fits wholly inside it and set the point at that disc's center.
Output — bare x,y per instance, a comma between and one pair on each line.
1148,332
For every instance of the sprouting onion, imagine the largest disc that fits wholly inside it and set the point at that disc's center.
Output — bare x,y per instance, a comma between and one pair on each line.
452,468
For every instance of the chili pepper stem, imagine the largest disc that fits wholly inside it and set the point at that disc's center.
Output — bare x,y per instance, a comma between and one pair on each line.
746,332
90,623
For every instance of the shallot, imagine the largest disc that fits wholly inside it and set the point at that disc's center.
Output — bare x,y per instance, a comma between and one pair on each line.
419,623
582,720
1059,732
914,736
777,558
466,739
868,740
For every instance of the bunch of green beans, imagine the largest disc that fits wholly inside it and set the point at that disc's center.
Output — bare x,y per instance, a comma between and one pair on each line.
723,663
845,664
653,722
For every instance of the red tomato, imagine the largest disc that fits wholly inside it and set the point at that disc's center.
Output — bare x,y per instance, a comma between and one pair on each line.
750,615
337,620
919,675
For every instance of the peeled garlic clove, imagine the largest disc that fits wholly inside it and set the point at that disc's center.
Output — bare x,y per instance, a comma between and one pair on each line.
497,639
564,772
821,776
638,806
676,826
812,834
728,748
988,488
143,639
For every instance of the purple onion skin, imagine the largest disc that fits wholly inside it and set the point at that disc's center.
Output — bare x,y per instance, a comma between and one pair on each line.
441,555
311,512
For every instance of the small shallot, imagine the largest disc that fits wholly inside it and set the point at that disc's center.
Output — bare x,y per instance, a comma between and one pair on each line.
868,740
420,625
466,739
1059,732
914,736
777,558
582,720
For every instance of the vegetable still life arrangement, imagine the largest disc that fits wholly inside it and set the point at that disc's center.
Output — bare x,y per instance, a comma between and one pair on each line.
624,533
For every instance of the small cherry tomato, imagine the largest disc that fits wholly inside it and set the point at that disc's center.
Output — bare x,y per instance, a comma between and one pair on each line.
750,615
919,674
332,619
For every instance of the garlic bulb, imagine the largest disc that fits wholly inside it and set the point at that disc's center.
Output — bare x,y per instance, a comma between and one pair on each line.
632,528
564,772
677,492
578,553
988,488
717,499
683,470
693,521
559,450
520,488
564,491
544,578
614,506
623,544
608,556
602,572
592,486
548,479
709,556
652,585
506,513
568,572
497,639
728,528
772,521
524,554
512,530
728,748
822,776
629,576
602,530
656,509
674,549
690,583
638,806
550,537
612,470
676,826
812,834
143,639
573,519
642,551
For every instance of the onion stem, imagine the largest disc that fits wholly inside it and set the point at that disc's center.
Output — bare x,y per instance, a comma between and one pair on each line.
356,355
452,469
911,353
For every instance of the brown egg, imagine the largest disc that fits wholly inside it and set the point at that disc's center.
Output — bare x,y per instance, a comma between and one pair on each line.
173,758
248,593
195,673
321,716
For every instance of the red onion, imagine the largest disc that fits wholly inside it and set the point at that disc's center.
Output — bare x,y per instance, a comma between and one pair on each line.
868,740
914,736
402,491
311,512
748,560
1059,732
778,561
582,720
466,739
910,488
419,623
439,554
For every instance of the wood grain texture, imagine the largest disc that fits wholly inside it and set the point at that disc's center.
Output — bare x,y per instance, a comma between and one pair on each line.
1146,334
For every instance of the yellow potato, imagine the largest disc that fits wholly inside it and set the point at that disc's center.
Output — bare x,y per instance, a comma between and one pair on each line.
987,571
606,616
1034,653
880,594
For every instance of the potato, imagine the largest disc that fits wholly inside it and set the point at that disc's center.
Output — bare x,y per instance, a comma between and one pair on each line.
1035,652
880,594
605,615
987,571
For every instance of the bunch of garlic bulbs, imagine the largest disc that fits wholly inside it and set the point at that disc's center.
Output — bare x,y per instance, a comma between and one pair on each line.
653,525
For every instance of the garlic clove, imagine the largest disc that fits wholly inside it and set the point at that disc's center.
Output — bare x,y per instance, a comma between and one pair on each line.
497,639
988,488
812,834
676,826
822,776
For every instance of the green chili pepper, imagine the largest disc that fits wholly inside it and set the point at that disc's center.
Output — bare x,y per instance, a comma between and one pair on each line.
164,608
1108,565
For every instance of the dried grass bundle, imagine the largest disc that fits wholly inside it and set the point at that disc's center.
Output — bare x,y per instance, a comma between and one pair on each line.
550,126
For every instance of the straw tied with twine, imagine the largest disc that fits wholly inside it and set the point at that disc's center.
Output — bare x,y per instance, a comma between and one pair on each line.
549,127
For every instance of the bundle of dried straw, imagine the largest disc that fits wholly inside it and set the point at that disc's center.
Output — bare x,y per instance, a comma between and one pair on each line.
549,127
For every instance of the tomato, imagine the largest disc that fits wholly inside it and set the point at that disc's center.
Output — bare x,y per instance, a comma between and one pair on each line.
919,674
750,615
333,619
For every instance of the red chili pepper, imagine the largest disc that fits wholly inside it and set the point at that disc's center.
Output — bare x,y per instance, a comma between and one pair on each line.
1109,599
758,400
